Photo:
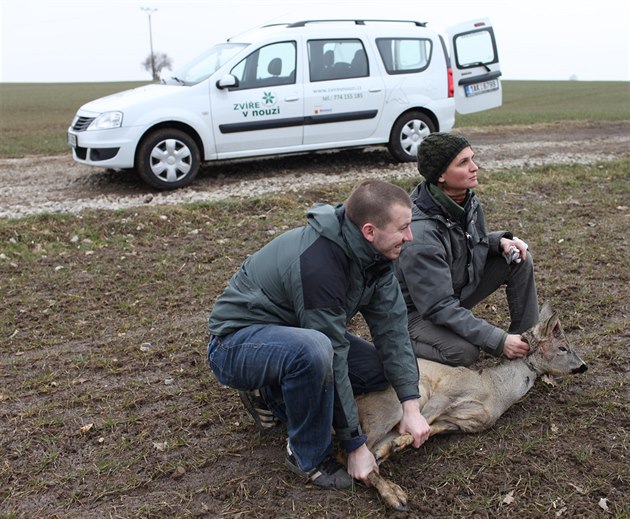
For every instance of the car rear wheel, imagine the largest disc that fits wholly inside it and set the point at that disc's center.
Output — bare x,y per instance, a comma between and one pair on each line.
407,133
168,159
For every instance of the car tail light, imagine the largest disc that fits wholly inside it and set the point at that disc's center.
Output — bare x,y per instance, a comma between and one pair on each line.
451,87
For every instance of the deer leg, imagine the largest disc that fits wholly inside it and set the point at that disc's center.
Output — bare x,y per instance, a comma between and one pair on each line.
387,448
391,493
401,442
443,427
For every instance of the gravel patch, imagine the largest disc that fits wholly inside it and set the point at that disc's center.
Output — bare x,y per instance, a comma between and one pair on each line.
56,184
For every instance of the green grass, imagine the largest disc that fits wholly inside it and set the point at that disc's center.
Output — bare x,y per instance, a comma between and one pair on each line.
536,102
35,116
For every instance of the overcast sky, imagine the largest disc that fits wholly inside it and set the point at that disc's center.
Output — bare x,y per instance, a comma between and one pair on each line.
107,40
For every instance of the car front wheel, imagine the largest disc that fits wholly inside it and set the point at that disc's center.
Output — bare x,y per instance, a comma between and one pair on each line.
168,159
407,133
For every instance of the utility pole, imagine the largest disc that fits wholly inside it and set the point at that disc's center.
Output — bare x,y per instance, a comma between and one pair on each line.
150,11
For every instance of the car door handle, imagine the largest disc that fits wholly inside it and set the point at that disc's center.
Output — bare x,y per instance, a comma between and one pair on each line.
375,90
291,99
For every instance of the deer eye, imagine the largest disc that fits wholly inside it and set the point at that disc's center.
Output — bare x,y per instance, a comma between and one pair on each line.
563,348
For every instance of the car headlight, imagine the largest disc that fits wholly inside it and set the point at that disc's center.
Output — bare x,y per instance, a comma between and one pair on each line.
107,120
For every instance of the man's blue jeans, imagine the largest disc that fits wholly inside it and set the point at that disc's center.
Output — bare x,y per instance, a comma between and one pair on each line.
293,369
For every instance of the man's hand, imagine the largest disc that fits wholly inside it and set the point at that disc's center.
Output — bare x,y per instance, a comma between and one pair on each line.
514,347
414,423
360,463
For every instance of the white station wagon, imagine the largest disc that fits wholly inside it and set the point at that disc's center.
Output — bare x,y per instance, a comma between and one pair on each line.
289,88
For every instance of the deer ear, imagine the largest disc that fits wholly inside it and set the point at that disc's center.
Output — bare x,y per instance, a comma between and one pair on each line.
552,324
557,327
547,320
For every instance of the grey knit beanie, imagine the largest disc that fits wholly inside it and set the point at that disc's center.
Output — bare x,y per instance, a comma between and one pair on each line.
436,152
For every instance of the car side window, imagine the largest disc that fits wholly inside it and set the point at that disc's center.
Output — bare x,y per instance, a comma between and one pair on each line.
337,59
404,55
271,65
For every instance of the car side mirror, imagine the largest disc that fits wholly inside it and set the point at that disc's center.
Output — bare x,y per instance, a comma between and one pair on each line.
228,81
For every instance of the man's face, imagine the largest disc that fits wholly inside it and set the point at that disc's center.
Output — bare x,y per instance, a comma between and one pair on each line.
388,240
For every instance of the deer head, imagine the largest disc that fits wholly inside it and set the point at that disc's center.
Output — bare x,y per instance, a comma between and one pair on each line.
550,352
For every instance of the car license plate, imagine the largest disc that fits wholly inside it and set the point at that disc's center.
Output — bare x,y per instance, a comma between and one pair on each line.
481,88
72,139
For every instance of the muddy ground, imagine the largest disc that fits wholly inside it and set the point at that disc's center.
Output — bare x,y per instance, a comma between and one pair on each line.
107,408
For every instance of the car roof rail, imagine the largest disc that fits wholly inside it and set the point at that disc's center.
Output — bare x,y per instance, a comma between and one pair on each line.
362,21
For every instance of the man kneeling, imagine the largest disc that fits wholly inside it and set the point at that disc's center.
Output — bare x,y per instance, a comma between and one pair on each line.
279,331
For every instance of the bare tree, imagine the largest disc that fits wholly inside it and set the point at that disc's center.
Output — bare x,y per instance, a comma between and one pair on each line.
159,62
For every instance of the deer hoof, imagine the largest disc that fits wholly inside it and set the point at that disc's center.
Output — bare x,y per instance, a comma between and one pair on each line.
393,495
396,497
400,504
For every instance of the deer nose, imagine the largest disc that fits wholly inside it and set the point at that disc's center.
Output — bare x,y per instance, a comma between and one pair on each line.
581,369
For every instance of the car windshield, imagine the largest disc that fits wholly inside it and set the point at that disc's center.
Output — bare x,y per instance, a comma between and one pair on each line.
205,64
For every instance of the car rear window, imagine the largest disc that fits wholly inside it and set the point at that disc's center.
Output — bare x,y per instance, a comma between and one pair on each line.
405,55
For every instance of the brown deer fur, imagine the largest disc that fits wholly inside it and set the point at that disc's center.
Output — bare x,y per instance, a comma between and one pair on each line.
458,399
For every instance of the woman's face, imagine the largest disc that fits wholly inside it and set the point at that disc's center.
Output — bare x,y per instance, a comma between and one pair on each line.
461,173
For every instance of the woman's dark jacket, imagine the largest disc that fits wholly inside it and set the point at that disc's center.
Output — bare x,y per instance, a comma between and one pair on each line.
443,265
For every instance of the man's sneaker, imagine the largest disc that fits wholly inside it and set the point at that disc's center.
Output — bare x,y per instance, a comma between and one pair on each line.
257,408
328,474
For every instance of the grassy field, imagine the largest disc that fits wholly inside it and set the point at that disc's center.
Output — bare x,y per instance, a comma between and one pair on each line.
35,117
108,409
536,102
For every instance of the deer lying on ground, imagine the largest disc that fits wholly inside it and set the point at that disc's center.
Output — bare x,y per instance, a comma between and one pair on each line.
457,399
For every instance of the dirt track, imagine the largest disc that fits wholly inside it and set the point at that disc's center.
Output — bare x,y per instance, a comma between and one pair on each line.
57,184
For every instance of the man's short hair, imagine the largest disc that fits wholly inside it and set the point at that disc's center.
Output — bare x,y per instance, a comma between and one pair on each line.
372,201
